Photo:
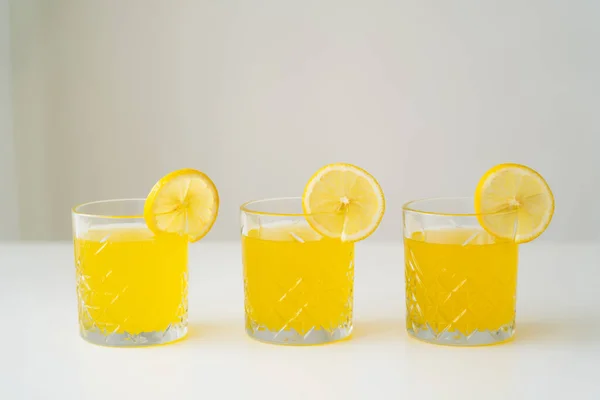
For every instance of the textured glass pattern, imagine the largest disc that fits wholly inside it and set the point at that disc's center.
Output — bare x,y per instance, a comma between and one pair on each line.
298,285
460,281
132,285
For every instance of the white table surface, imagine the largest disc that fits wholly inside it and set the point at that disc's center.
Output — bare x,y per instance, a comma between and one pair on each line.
556,353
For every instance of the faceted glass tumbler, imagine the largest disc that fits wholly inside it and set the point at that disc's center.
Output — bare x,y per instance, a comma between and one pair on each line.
460,280
298,285
132,285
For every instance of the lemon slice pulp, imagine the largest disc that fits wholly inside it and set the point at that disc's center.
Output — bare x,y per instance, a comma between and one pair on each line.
514,202
184,202
343,201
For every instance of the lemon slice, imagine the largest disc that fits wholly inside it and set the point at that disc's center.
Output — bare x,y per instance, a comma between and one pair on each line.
185,202
514,202
343,201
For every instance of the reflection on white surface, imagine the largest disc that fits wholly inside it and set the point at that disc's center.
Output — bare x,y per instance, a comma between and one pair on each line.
555,350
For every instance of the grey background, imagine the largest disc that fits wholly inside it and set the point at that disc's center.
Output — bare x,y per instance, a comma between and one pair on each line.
105,97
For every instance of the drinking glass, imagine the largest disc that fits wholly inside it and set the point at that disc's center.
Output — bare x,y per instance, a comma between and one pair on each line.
298,284
132,285
461,281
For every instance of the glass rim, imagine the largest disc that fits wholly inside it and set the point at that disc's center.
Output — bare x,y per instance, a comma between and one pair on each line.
76,209
409,206
246,208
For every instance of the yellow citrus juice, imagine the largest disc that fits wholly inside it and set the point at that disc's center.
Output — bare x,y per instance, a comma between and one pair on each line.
460,280
296,279
131,280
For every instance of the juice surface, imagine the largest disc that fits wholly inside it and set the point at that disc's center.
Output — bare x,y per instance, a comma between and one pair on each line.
296,279
460,280
131,280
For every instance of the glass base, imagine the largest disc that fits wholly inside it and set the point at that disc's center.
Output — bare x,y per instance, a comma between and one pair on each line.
475,338
172,333
293,338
